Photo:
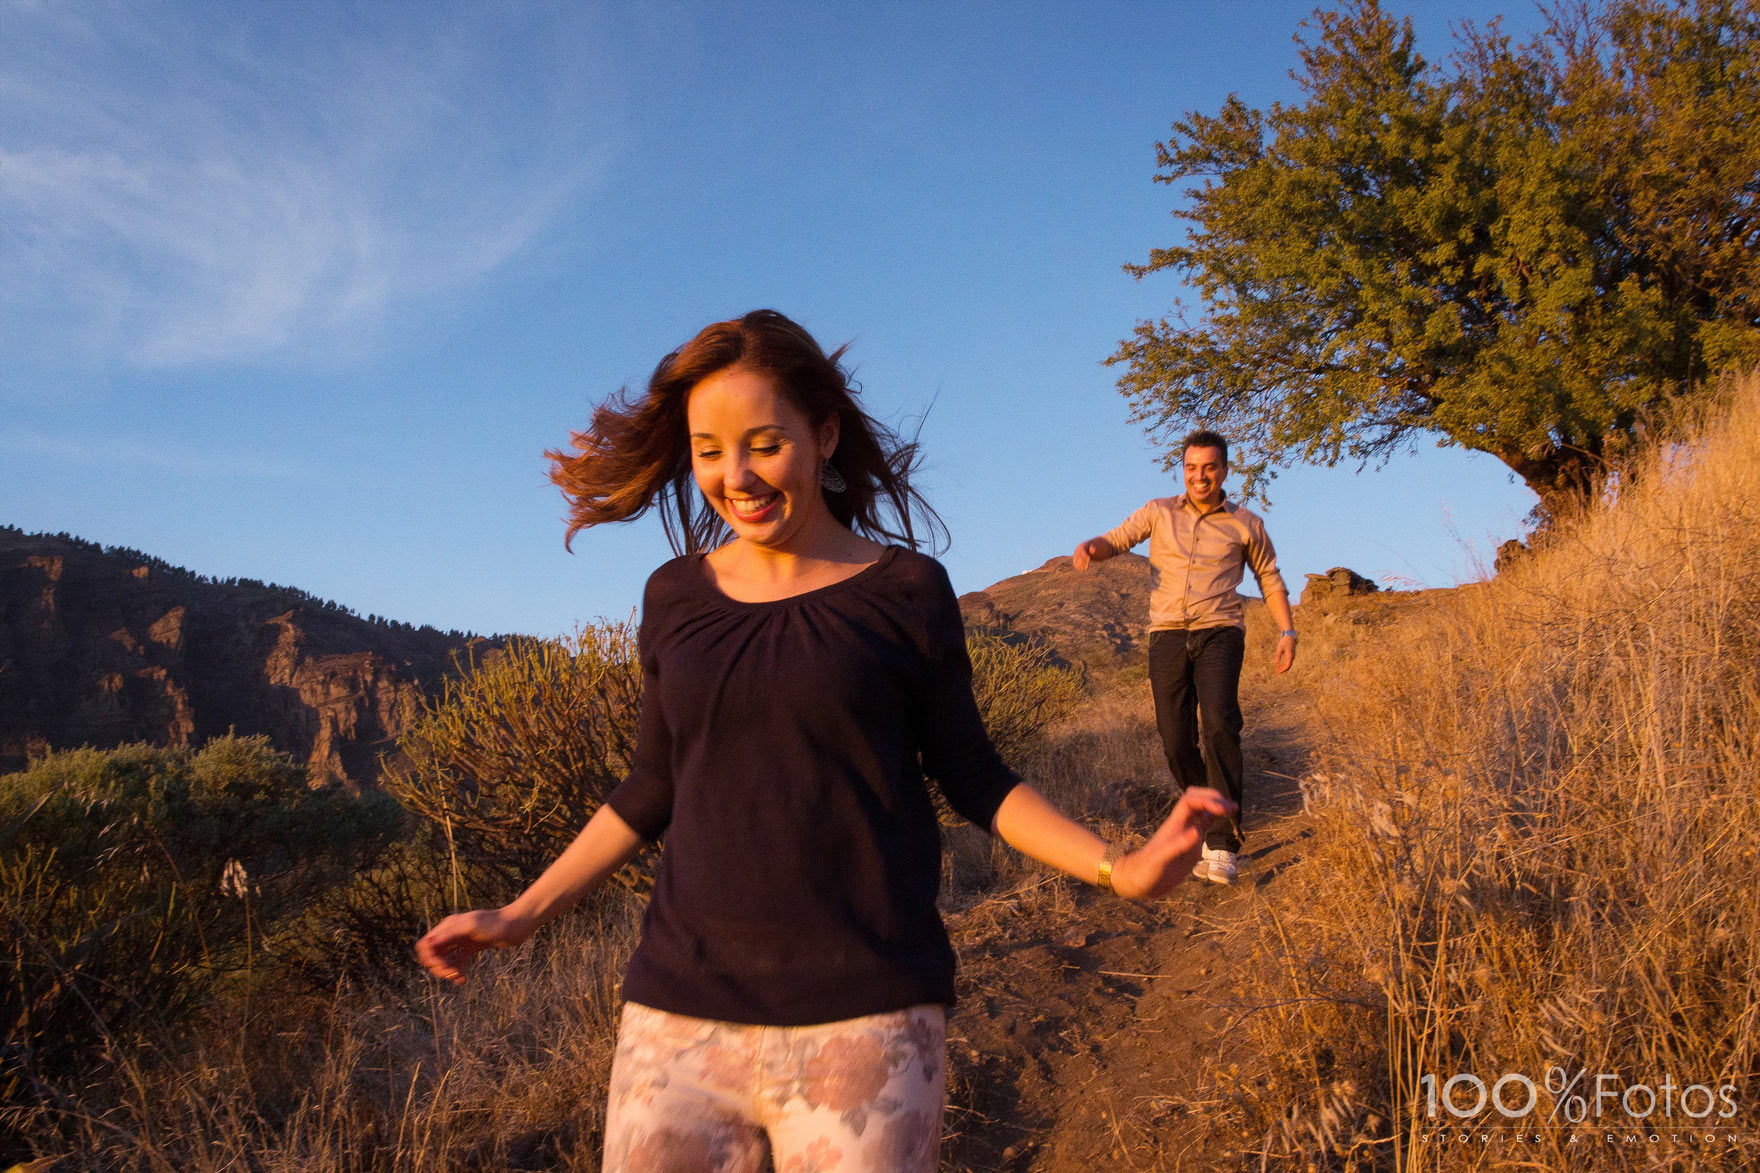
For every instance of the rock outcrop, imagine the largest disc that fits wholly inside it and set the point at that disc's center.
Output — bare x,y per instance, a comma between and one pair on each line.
1510,553
1340,581
105,646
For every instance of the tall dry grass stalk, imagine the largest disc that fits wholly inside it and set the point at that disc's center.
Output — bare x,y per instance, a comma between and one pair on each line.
1539,831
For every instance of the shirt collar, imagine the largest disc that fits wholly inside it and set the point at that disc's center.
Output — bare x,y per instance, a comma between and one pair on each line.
1184,501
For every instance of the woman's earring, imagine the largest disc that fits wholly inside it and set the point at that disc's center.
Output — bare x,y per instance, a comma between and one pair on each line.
831,479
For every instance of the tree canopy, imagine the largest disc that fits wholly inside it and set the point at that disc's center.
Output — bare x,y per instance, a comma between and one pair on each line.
1526,253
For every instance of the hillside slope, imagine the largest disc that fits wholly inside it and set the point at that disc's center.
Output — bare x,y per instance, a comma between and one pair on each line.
1095,617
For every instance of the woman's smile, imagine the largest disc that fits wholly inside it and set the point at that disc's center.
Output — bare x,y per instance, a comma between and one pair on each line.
753,509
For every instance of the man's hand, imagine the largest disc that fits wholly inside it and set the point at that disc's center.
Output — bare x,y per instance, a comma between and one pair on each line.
1278,603
1092,550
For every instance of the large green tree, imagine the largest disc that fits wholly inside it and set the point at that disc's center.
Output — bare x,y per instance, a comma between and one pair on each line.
1525,253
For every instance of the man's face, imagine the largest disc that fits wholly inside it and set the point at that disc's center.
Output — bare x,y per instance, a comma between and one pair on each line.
1205,472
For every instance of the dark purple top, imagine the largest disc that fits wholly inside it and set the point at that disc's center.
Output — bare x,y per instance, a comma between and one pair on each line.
782,750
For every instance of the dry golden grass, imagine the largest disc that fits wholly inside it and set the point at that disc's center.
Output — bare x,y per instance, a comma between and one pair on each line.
1538,837
507,1072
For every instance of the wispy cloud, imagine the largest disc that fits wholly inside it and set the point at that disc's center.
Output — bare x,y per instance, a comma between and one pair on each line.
190,183
114,454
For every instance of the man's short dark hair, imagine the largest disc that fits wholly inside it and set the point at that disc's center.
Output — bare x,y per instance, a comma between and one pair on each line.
1204,438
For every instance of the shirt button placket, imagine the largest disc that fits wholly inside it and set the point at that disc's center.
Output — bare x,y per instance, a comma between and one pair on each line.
1185,595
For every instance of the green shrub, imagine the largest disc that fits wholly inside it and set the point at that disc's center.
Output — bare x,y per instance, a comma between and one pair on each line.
134,880
512,759
362,933
1021,687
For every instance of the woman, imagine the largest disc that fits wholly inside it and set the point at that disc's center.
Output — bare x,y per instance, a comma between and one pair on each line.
800,679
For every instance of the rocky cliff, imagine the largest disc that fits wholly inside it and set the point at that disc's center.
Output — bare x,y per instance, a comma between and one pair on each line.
102,646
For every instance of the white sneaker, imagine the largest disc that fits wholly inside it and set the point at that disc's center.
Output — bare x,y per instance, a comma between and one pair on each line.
1219,866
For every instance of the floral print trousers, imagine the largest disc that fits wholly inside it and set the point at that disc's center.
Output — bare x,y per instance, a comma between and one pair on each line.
689,1095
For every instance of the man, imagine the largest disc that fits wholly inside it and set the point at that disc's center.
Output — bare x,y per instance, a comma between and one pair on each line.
1198,545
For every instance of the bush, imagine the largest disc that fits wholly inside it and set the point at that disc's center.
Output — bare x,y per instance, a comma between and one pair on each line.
1021,687
512,759
136,879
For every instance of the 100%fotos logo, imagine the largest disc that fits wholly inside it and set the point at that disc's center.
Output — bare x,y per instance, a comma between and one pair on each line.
1515,1096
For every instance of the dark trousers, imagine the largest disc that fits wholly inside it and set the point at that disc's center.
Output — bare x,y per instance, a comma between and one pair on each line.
1195,677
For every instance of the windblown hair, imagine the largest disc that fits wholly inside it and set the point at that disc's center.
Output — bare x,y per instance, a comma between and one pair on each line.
1204,438
636,454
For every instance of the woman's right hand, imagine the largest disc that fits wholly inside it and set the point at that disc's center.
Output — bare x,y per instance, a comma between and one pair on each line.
1155,868
449,947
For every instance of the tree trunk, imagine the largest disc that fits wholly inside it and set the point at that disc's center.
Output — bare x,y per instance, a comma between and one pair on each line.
1563,478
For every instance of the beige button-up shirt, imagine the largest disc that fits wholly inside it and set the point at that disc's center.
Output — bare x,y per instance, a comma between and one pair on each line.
1196,560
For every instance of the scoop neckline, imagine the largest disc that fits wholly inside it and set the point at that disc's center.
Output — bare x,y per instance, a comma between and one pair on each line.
715,591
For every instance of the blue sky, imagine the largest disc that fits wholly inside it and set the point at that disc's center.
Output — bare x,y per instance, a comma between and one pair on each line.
301,291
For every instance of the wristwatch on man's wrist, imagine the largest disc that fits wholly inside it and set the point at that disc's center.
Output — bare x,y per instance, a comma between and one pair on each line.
1290,633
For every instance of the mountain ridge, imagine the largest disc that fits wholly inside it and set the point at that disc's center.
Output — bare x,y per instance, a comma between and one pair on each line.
106,645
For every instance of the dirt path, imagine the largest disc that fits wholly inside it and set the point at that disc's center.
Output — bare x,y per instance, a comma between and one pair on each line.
1087,1024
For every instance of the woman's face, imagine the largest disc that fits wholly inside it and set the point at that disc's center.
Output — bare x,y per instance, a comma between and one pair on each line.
756,458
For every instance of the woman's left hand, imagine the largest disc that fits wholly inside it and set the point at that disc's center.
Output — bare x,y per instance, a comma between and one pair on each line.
1171,853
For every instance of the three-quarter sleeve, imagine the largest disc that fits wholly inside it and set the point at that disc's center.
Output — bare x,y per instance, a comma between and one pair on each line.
1132,529
957,751
644,798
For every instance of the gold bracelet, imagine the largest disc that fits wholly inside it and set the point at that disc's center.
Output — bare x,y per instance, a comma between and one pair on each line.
1106,861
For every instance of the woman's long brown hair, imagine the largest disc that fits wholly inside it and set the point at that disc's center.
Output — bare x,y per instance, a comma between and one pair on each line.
636,453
